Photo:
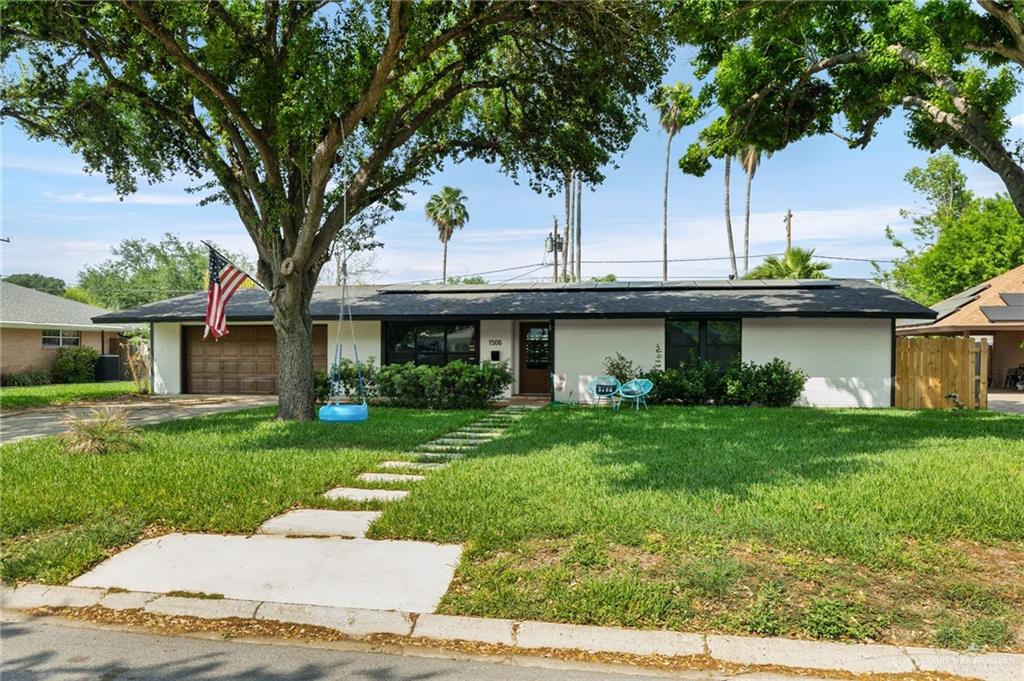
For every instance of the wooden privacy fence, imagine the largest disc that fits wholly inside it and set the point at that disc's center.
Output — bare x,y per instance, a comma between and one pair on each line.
930,369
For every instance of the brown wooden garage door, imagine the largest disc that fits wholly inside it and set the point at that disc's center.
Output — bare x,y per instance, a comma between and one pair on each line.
242,362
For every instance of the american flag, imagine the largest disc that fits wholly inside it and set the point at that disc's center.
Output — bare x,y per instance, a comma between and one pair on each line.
225,279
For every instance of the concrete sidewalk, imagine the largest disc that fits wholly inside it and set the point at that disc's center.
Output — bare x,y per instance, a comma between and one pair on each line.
508,637
141,411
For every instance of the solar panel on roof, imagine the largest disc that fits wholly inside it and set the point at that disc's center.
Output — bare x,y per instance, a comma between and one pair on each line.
999,313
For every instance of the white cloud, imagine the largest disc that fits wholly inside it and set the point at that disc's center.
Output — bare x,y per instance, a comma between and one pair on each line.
1017,120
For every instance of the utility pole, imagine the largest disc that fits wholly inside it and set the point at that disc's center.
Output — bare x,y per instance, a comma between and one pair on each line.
789,229
579,229
555,247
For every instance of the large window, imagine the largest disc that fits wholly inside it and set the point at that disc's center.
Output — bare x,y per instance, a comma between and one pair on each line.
426,343
56,338
688,340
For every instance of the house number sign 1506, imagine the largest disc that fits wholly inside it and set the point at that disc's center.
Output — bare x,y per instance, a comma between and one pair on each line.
494,341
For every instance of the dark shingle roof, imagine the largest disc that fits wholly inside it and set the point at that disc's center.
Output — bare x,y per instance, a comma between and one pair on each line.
27,306
837,297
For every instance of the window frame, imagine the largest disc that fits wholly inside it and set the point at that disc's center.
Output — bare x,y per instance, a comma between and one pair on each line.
415,325
702,337
62,336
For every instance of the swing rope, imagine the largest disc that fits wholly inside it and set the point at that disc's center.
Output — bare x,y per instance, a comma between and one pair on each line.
336,383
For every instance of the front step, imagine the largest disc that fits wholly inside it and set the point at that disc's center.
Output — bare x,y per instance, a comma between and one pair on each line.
389,477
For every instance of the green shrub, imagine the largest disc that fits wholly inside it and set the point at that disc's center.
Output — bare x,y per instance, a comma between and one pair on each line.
766,614
739,383
26,379
349,379
100,431
75,365
621,368
775,384
457,385
698,383
778,384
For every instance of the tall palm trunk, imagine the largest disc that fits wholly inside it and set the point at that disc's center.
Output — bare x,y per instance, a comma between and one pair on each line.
746,223
567,233
664,212
444,264
728,215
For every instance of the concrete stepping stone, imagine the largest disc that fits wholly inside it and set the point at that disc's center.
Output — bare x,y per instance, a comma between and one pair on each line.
390,477
359,494
310,522
472,435
436,455
454,442
407,576
413,465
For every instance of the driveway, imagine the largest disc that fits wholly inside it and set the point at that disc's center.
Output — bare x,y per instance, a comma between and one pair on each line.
1006,401
154,409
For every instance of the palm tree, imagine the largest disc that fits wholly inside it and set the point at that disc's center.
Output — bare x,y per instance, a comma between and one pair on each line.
797,263
676,108
750,159
447,210
728,215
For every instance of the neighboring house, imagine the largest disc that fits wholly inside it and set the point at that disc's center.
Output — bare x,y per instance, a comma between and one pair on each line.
841,332
33,325
994,309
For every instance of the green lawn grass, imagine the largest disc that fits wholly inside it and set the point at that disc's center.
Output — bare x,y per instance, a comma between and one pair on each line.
869,525
64,393
61,513
904,527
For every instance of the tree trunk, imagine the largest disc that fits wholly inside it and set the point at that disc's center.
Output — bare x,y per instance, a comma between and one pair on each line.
444,264
294,328
746,224
664,213
728,216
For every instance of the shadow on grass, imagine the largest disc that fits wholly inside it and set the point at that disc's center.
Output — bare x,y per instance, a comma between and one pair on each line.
731,449
388,429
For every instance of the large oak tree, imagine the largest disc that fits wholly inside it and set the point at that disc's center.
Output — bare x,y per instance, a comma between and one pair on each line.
300,114
782,71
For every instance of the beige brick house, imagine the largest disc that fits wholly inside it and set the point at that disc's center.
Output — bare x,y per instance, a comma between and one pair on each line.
33,325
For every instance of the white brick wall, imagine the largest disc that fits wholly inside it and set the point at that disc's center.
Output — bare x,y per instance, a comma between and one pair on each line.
500,335
167,358
368,339
581,346
848,360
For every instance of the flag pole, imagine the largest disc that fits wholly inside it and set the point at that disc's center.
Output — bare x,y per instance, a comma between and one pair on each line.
241,269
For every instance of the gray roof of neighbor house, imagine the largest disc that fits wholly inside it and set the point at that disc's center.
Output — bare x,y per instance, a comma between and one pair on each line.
719,298
28,308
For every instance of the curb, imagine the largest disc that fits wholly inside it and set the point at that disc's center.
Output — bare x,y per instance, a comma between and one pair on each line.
847,658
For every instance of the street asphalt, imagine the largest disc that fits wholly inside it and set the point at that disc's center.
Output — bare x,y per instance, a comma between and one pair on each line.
33,650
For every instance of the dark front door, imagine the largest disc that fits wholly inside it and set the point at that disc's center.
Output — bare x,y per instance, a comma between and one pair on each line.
534,358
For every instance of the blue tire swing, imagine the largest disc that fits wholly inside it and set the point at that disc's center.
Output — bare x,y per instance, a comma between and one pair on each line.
337,411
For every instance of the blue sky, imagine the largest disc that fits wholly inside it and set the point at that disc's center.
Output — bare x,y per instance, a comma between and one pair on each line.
59,219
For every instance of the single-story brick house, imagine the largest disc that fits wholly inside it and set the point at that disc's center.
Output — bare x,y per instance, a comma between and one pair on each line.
34,324
841,332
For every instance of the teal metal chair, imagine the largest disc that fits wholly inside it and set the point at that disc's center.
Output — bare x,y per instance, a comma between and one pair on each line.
635,390
605,388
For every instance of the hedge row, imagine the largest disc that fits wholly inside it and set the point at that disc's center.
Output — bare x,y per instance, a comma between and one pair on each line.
457,385
773,384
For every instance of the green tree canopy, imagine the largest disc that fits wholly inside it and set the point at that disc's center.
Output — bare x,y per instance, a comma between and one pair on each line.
796,263
40,282
143,272
958,242
783,71
304,115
